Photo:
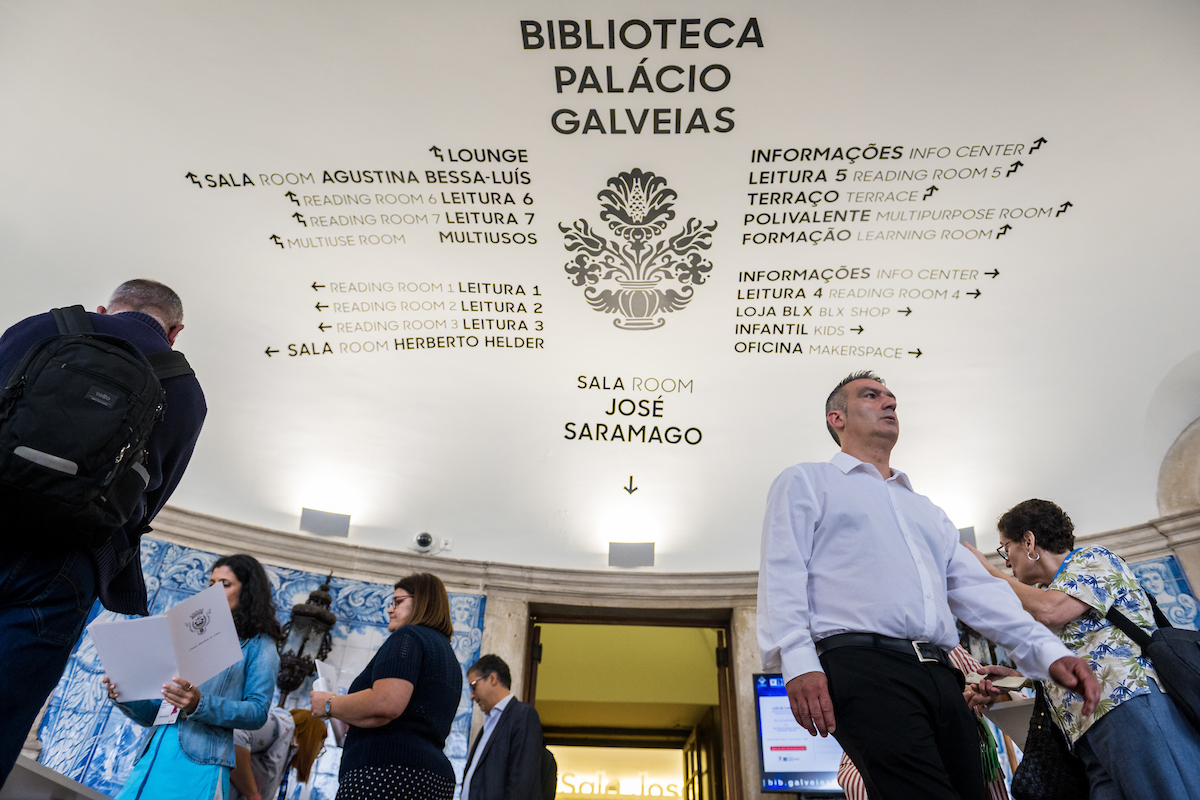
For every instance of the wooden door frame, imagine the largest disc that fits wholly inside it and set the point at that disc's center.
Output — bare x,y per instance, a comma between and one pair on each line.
719,619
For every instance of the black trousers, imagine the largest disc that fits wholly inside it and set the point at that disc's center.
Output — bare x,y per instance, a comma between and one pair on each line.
904,724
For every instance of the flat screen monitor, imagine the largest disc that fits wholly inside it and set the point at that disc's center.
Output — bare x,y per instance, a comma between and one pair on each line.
790,759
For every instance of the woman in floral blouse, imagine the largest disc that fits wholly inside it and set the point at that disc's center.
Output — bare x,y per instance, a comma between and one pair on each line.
1136,744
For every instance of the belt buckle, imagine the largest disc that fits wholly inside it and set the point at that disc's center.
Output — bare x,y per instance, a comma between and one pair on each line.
921,656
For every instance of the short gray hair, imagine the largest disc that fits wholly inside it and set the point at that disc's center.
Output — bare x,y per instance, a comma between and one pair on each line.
837,398
149,297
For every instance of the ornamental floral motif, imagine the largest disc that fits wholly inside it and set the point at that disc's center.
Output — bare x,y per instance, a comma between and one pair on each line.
641,275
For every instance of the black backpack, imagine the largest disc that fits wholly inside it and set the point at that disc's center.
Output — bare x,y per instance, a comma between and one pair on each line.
75,415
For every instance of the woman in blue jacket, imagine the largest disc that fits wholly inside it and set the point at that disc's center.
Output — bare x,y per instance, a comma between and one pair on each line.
191,758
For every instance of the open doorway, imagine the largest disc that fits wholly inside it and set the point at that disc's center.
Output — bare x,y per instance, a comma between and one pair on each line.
635,702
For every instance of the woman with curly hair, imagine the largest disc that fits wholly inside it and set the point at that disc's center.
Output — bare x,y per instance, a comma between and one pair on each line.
400,708
1136,744
191,758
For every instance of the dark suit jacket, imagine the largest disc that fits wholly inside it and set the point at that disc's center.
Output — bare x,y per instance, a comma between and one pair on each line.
510,766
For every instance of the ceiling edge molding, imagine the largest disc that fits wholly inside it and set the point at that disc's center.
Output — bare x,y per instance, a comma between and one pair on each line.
535,584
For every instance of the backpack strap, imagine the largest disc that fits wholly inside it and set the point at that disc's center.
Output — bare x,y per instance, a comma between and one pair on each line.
169,364
1127,627
72,320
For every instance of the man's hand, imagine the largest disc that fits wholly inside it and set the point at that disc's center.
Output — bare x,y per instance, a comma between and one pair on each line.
1073,673
808,695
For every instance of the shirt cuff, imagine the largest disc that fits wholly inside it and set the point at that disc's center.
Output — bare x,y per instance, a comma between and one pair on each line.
799,661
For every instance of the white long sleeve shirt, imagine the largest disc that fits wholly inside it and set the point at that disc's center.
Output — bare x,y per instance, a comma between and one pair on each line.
845,550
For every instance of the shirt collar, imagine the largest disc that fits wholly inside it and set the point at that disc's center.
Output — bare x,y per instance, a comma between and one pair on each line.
498,709
848,463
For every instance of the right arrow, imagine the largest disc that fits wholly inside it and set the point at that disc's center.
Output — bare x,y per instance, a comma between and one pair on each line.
905,311
994,273
974,294
269,351
858,330
916,352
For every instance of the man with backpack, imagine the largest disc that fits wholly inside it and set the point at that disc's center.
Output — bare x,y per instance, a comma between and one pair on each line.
75,500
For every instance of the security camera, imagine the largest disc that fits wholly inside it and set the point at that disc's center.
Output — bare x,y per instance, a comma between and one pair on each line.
423,542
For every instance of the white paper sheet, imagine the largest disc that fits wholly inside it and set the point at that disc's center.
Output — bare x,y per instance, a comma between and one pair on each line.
327,681
194,640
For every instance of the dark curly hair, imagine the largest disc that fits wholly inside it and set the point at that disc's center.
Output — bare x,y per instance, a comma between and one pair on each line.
1052,529
255,612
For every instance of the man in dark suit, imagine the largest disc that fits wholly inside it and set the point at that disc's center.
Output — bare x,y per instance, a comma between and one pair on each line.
505,762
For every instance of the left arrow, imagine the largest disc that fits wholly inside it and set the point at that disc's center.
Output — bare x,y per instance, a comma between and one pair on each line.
323,326
321,306
317,286
630,488
269,351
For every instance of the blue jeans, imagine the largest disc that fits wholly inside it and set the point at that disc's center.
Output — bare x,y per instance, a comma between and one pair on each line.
45,598
1143,749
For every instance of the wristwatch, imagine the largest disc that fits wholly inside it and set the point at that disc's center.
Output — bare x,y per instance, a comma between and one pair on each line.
329,707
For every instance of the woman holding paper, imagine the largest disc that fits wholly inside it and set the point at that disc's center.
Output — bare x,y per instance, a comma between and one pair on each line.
400,708
190,757
1070,590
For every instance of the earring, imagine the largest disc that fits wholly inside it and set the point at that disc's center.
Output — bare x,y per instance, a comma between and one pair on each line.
1031,558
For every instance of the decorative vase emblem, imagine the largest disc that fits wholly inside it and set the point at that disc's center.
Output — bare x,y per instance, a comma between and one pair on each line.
642,275
199,620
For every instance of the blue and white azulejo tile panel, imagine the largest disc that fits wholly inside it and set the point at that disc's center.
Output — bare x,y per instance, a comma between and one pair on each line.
84,737
1164,578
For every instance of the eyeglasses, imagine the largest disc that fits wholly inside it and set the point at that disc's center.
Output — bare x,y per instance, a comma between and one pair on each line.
1003,551
395,601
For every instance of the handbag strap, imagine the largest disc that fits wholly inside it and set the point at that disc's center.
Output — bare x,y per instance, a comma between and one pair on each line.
1128,627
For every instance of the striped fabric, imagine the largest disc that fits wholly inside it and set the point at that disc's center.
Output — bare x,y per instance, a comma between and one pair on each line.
852,783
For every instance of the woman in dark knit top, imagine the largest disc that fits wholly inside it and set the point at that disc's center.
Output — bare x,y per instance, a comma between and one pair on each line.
400,708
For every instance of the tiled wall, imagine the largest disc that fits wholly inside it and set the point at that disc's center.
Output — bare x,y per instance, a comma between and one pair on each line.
84,737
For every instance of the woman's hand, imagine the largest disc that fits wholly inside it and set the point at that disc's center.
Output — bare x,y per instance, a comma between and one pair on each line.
113,694
182,695
983,694
317,702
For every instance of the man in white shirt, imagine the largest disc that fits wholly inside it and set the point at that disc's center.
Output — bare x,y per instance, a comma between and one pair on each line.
505,762
859,583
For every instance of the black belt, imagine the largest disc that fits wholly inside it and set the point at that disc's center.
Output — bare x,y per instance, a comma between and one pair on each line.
924,651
